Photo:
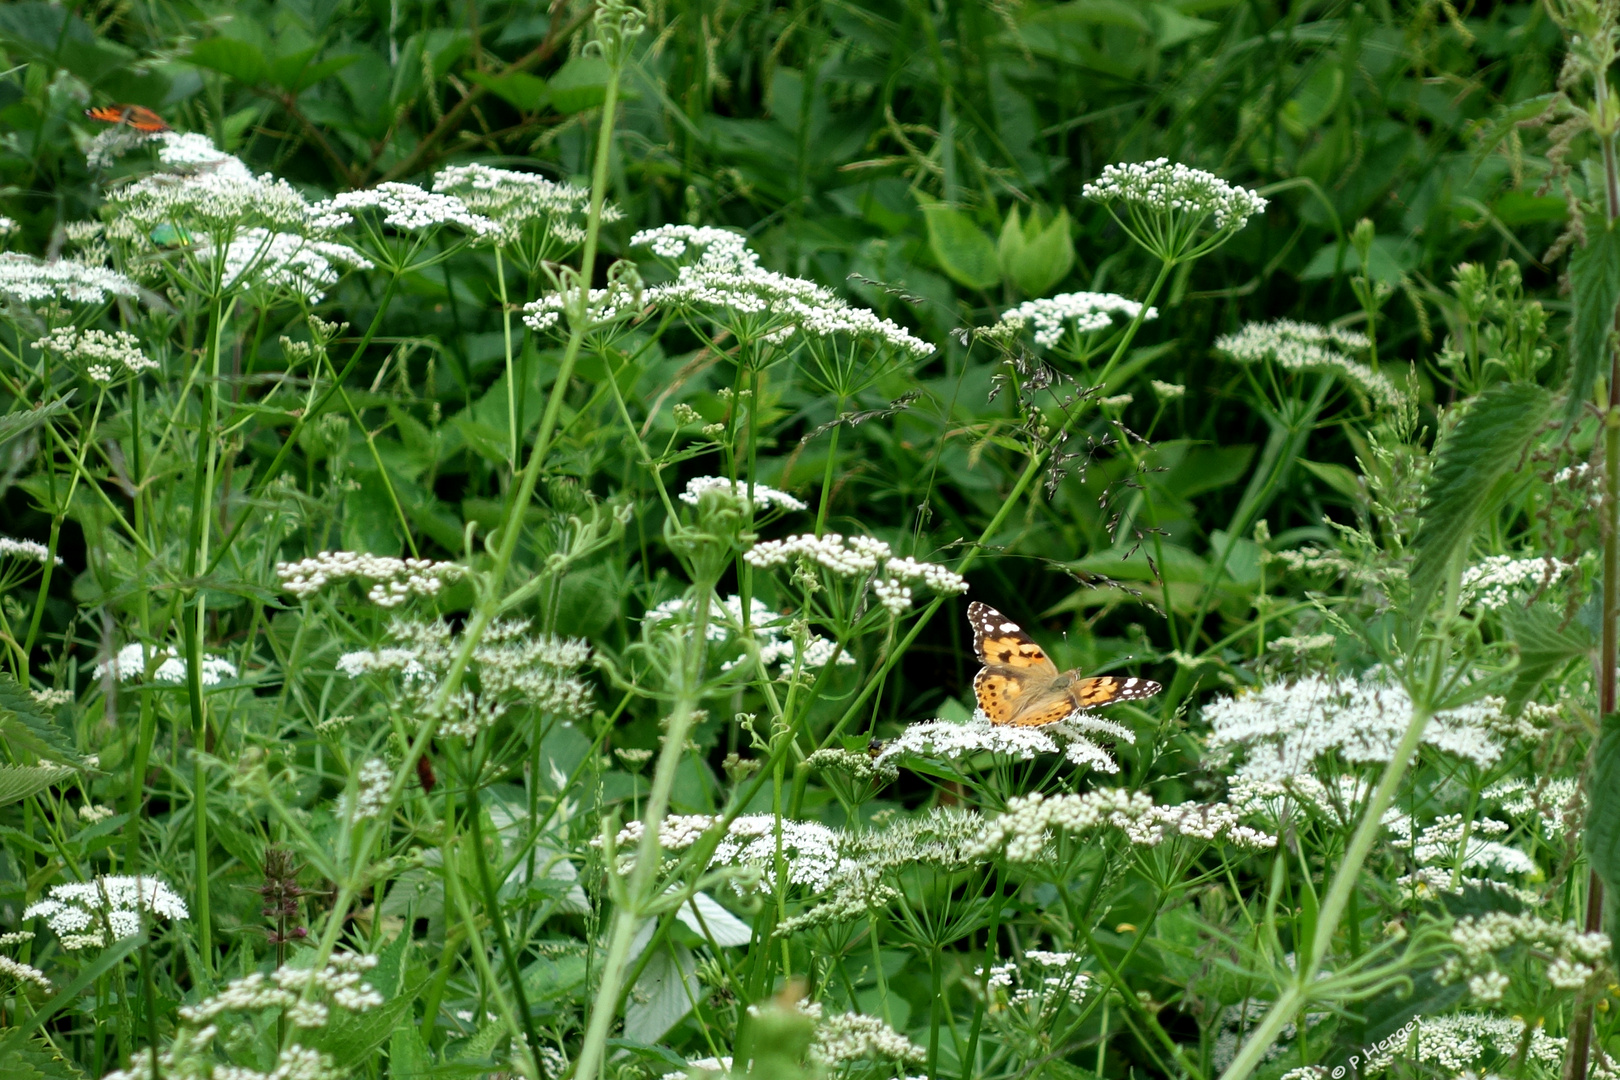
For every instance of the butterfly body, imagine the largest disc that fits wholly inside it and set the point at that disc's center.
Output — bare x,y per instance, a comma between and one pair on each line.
1020,685
138,117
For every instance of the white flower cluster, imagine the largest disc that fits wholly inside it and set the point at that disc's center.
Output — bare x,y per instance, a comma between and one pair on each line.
297,264
1299,346
509,665
1283,728
1168,391
775,634
405,207
954,741
131,660
1027,825
1557,802
1499,579
1574,958
850,1037
1462,1040
24,973
32,280
190,1056
1056,978
860,557
103,354
27,550
1088,311
810,850
93,913
765,496
602,306
371,792
726,276
342,980
1175,188
515,199
213,200
194,152
1439,857
394,580
860,766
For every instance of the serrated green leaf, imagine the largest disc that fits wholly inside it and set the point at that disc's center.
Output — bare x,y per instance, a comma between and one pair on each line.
1545,644
351,1038
27,731
17,782
23,421
1594,281
1471,478
962,248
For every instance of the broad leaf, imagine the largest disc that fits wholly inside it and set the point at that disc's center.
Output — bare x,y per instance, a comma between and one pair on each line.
518,88
963,250
1475,468
23,421
17,782
240,60
1594,280
27,731
1545,645
663,995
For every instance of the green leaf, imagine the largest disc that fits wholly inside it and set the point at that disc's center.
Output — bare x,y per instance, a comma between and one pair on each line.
17,782
580,85
408,1056
22,421
1603,818
1035,258
1340,479
1545,645
28,732
297,74
240,60
963,250
69,994
1476,466
1594,280
519,89
351,1038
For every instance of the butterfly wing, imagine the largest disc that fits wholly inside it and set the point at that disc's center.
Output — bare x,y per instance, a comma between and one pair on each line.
1106,689
1015,667
138,117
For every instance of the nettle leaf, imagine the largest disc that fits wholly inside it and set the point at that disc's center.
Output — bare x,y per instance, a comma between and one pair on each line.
23,421
25,728
1475,469
17,782
1545,645
1603,817
1594,280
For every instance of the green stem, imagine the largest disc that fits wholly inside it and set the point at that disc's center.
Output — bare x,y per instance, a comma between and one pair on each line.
1297,992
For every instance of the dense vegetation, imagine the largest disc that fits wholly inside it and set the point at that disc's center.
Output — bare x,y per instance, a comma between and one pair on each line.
492,494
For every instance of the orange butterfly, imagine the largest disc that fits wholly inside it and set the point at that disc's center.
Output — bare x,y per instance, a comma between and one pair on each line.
1020,685
138,117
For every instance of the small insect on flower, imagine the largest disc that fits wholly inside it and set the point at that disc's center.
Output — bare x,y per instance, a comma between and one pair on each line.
138,117
1019,684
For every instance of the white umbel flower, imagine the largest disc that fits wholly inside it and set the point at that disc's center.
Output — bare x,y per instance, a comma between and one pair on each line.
393,581
858,558
405,207
1086,312
131,661
516,200
1283,728
765,496
296,264
100,352
32,280
1498,579
26,550
1299,346
24,973
98,912
1167,187
953,741
602,306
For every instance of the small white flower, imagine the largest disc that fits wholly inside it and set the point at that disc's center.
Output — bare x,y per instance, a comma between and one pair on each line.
1495,581
26,550
1298,346
131,661
1176,188
1086,312
406,207
371,796
32,280
765,496
109,906
1168,391
22,972
394,581
115,351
